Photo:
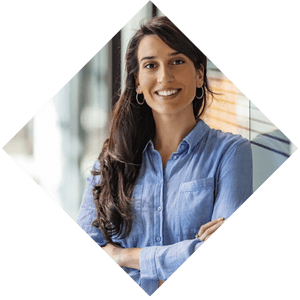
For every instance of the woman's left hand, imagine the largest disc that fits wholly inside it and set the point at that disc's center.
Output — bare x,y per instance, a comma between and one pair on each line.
209,228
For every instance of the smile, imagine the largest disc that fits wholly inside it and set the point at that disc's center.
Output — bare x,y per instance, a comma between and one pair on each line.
165,93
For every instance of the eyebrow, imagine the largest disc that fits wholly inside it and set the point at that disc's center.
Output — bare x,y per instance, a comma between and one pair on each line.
152,57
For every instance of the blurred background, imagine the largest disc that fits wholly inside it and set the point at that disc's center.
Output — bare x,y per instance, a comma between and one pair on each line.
59,146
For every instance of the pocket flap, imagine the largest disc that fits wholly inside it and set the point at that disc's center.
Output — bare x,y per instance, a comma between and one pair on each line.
197,184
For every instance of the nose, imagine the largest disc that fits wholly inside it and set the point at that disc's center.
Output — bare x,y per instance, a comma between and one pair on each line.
165,75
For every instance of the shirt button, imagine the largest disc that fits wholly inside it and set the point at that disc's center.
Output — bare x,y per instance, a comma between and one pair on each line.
175,157
158,238
182,146
159,208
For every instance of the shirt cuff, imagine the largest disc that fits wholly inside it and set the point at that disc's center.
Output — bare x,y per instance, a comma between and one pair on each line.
147,263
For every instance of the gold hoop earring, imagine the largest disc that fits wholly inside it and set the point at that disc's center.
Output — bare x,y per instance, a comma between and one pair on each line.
137,99
201,93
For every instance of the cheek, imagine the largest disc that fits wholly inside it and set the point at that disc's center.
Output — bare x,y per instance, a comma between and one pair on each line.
188,76
146,85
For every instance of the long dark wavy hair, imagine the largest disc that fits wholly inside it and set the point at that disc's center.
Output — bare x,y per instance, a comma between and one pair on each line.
132,126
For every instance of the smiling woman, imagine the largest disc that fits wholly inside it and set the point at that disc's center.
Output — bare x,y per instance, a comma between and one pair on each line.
165,75
165,180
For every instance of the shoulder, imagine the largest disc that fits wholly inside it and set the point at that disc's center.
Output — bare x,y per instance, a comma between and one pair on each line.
93,179
224,142
96,166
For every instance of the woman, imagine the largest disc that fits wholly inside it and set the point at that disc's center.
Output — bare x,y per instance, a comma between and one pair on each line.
164,172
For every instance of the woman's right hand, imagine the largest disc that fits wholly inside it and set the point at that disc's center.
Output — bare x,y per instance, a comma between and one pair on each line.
209,228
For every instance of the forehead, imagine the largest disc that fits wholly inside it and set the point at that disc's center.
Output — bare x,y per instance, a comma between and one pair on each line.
152,45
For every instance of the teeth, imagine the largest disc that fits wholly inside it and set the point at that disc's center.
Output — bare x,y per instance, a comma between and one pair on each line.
167,93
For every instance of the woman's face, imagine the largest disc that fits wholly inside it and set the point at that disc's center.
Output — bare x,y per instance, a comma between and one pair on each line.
167,79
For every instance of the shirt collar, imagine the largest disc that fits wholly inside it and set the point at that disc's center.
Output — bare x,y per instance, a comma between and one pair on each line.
192,139
149,144
196,135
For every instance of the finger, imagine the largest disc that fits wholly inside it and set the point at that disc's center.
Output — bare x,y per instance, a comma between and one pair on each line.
211,230
207,225
207,238
204,227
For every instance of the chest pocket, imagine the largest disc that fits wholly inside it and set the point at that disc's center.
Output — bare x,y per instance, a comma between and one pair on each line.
194,206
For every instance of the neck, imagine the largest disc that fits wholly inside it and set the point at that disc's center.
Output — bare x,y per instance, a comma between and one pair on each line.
171,130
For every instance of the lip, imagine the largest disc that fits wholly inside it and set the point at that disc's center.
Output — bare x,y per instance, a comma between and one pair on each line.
169,96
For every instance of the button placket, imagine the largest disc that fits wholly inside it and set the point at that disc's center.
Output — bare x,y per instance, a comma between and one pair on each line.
158,206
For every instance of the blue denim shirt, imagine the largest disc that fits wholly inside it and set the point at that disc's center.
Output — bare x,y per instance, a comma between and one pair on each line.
209,176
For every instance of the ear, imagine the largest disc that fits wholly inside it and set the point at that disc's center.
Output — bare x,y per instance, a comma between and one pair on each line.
200,76
137,84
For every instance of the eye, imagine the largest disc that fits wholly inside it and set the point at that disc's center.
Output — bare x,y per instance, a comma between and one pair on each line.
149,66
178,62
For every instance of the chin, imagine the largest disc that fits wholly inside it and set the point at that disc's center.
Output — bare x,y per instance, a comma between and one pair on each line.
169,111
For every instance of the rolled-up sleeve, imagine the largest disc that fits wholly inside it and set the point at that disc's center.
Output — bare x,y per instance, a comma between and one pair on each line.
160,262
